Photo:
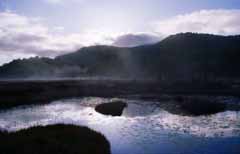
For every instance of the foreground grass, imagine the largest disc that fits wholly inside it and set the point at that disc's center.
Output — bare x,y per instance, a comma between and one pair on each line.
54,139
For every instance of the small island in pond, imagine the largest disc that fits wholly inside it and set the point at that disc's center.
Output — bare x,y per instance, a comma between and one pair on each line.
114,108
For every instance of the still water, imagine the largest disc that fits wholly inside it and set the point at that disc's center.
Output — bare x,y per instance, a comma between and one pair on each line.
144,128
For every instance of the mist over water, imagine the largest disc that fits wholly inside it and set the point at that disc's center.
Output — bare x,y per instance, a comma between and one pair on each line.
143,127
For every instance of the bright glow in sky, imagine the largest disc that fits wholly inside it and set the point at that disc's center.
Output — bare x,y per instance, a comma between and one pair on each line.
53,27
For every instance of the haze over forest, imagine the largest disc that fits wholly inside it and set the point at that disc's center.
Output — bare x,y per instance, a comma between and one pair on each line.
186,56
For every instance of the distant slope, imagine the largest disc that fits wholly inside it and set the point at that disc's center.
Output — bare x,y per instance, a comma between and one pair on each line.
184,56
188,56
101,60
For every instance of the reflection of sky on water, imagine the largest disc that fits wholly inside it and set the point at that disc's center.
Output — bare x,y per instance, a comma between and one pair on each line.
143,128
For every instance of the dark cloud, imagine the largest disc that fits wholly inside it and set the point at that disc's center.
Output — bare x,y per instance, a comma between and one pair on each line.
26,38
132,40
21,36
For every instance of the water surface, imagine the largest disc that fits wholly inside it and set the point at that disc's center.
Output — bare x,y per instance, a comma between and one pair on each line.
144,128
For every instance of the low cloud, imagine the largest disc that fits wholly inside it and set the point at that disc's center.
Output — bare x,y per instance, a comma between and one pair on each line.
219,22
222,22
21,36
132,40
61,1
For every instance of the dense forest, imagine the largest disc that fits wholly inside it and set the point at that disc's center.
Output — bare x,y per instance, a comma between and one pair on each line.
182,57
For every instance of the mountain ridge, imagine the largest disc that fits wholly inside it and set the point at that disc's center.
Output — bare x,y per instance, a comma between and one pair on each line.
184,56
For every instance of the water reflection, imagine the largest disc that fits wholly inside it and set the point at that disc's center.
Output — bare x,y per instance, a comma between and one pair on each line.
143,128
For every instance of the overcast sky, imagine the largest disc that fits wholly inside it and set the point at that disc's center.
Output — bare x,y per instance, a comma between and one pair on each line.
52,27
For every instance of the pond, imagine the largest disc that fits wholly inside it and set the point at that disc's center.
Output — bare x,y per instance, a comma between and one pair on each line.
144,127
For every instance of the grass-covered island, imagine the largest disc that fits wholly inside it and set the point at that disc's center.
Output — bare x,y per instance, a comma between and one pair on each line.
114,108
54,139
195,106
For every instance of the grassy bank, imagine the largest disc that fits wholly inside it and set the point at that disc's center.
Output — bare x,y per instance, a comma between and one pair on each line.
55,139
16,93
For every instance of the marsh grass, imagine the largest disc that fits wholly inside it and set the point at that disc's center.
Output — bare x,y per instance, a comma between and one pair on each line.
196,106
114,108
54,139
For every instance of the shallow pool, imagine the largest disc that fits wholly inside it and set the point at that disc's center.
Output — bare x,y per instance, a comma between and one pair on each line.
144,127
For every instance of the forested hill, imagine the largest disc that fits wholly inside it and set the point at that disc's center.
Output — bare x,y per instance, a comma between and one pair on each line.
185,56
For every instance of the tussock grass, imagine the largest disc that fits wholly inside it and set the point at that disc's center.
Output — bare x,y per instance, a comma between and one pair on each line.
54,139
114,108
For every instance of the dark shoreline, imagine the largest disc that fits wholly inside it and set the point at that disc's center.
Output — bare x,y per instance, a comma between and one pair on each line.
14,93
